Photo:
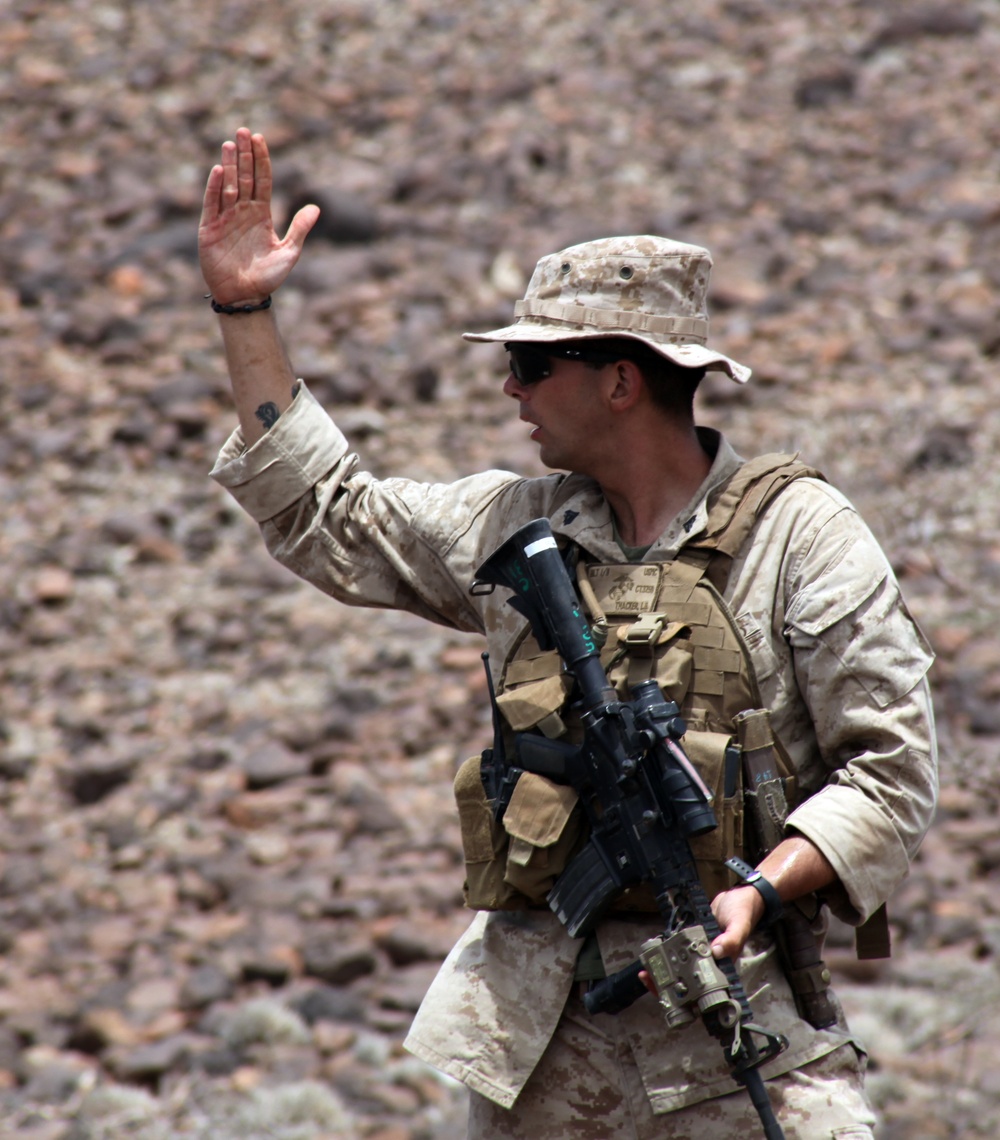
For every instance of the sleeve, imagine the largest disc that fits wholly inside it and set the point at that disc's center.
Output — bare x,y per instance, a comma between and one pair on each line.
861,665
392,543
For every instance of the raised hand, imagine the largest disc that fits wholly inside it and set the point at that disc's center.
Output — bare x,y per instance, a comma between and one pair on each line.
242,259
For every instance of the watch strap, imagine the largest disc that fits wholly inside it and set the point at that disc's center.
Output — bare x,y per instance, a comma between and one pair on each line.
774,908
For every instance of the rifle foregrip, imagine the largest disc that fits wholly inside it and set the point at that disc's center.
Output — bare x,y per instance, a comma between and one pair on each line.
617,992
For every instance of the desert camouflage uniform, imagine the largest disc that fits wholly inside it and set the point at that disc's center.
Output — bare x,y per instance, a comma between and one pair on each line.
840,664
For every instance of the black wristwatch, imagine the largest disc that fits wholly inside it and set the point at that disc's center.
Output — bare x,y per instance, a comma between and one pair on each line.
749,876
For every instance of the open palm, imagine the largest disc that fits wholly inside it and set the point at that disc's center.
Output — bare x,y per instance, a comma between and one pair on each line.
242,258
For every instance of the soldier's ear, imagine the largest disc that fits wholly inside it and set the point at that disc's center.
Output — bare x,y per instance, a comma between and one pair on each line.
628,382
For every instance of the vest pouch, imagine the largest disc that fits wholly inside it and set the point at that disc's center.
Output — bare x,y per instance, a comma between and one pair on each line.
707,751
484,843
545,824
535,704
652,648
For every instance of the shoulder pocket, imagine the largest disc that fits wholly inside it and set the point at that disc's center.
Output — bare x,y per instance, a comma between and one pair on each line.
880,646
849,579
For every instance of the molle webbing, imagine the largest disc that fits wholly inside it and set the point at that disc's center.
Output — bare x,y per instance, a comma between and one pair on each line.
733,514
667,621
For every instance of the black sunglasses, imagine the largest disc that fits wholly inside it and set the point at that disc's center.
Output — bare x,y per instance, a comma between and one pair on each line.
529,364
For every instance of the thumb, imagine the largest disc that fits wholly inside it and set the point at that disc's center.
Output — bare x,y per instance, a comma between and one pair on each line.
300,225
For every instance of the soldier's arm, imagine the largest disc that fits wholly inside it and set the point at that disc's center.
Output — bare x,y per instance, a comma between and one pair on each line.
244,262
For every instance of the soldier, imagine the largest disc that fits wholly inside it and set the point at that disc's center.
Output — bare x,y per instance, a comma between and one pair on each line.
734,584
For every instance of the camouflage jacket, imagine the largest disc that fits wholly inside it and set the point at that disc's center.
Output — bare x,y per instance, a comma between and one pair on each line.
839,661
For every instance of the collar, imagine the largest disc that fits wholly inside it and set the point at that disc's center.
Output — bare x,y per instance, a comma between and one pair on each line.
584,515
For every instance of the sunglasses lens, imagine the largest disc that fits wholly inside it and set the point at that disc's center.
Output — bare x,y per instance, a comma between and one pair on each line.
527,365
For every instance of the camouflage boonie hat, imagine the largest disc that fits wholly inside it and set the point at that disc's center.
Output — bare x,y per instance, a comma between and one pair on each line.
645,288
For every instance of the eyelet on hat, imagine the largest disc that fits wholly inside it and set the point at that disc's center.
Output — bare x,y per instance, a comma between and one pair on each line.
625,272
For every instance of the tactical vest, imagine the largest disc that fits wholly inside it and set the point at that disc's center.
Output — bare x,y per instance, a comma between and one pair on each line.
666,621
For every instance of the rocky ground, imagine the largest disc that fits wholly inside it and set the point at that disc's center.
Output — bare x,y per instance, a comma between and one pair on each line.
228,861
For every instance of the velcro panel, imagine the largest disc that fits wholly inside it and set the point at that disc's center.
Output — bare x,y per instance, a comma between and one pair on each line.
724,660
712,636
690,613
708,683
533,669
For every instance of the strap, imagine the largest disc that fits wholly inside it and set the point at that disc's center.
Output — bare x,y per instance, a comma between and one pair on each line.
751,488
871,939
774,908
735,510
686,329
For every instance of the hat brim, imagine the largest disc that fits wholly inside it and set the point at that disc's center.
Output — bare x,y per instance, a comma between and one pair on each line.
683,355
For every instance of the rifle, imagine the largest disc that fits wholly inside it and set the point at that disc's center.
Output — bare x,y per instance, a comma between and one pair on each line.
644,800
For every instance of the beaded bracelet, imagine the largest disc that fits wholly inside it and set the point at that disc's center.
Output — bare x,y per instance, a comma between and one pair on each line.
230,310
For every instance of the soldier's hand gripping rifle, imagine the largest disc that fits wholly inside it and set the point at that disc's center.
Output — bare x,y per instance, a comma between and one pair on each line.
644,800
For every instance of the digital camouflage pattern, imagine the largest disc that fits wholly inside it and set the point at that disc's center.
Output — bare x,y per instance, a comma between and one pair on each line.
651,289
838,660
599,1098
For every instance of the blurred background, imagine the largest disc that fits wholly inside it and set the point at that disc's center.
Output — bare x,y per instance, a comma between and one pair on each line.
229,863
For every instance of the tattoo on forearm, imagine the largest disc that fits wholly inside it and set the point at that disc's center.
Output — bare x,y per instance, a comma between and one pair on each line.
268,414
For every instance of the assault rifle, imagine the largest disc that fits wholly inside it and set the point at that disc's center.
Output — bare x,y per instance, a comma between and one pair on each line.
643,800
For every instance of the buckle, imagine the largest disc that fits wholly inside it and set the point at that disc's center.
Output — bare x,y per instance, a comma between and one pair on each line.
646,632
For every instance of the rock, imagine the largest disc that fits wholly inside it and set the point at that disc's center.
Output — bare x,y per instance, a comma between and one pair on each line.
336,957
330,1003
264,1022
216,1062
926,20
96,774
274,969
259,809
405,987
99,1028
944,446
148,1062
343,220
825,87
53,584
153,884
205,985
271,764
355,787
268,849
53,1076
407,943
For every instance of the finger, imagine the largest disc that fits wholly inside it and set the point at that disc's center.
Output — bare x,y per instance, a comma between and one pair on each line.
229,191
730,943
211,205
262,169
723,947
244,164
